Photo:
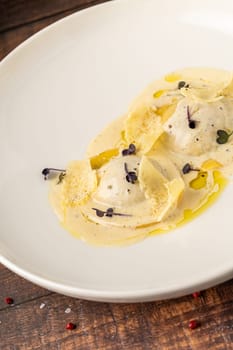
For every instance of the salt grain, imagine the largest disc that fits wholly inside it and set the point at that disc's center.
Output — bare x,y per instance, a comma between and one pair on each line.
68,310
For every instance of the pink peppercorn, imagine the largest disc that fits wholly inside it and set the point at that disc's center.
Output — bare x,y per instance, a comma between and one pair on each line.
196,295
70,326
9,301
193,324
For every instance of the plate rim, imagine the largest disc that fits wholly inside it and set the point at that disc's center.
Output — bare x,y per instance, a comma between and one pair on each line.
149,294
144,295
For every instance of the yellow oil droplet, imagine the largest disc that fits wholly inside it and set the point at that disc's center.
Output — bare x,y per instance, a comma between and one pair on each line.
210,164
159,93
200,181
189,214
102,158
171,78
221,182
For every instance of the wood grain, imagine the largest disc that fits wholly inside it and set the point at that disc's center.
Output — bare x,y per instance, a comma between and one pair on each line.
9,39
154,326
12,38
21,288
14,13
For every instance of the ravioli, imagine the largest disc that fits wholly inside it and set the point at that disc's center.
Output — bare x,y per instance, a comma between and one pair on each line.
165,159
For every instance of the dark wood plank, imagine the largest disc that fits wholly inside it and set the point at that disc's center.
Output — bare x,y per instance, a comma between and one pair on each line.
18,288
9,39
12,38
14,13
156,325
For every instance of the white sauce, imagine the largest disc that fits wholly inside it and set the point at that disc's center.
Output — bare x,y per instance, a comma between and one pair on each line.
146,205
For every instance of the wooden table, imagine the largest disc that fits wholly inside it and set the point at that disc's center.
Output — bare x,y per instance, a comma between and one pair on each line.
38,318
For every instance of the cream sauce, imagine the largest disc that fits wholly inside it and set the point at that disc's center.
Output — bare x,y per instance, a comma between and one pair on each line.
163,196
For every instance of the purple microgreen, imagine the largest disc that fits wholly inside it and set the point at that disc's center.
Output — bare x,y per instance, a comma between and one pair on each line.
120,214
192,123
108,213
125,152
47,171
99,212
131,176
187,168
130,150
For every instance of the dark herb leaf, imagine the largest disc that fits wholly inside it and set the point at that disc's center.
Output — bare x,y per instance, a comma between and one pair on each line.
131,177
99,212
223,136
61,177
192,124
125,152
46,172
181,84
109,212
130,150
186,168
120,214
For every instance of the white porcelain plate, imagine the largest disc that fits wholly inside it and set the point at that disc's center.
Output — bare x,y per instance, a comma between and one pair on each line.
57,91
